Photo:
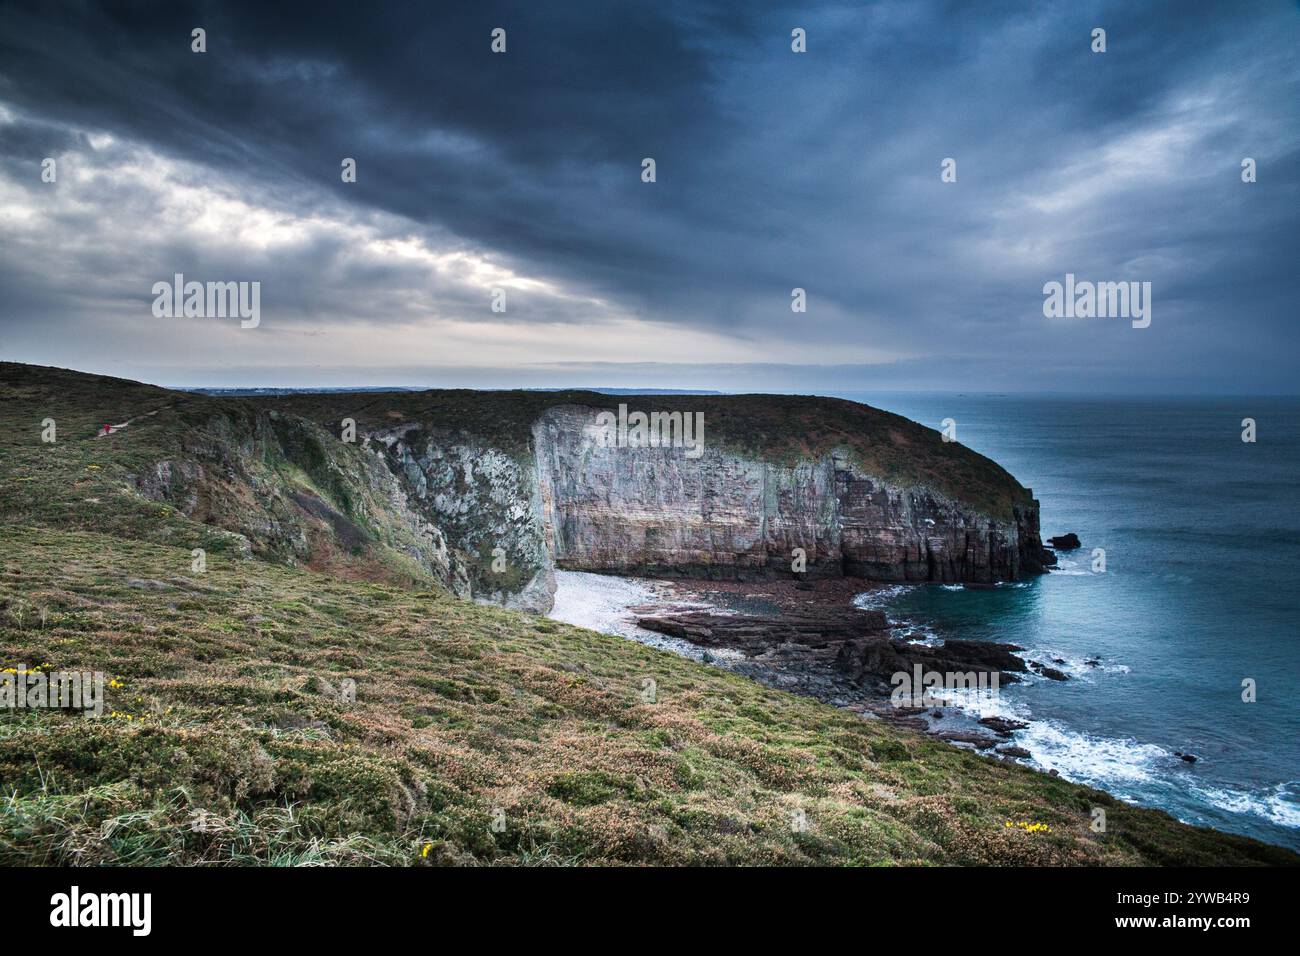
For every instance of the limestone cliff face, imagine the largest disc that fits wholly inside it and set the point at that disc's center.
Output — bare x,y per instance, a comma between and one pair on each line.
656,511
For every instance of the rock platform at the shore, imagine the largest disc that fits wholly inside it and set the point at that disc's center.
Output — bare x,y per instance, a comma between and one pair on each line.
854,644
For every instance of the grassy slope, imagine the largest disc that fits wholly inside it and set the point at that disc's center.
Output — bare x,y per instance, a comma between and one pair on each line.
229,704
255,466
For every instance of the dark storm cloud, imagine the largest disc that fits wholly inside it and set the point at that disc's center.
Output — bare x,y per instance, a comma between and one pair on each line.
775,170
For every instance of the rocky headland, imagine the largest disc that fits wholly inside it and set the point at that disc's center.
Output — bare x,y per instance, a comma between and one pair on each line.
486,494
520,484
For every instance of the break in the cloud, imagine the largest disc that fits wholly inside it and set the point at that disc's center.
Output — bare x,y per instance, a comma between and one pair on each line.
775,170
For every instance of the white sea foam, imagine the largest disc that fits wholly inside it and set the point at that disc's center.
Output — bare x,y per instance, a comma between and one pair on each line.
1070,567
916,634
881,598
975,703
1119,765
1281,805
1076,668
904,630
1108,762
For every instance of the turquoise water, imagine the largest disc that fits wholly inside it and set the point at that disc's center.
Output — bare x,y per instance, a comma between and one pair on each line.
1202,539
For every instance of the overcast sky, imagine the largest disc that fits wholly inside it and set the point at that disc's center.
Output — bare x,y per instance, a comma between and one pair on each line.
775,170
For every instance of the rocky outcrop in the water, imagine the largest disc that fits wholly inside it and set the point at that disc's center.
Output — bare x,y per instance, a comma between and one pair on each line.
1066,542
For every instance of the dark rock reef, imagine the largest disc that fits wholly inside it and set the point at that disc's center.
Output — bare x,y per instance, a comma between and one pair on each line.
847,647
